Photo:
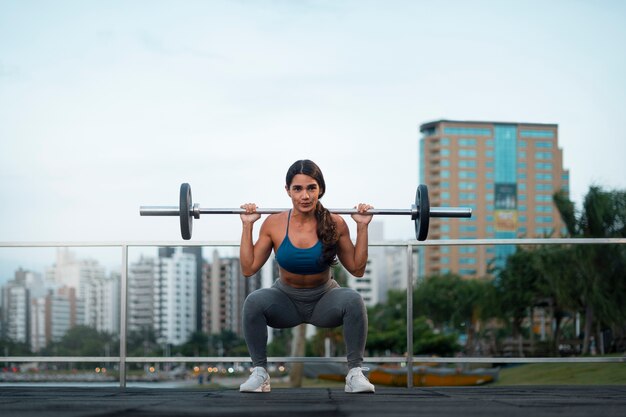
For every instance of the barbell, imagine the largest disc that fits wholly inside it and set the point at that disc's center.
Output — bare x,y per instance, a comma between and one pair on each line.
420,212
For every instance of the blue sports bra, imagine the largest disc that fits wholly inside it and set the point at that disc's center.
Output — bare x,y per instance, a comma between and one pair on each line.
300,261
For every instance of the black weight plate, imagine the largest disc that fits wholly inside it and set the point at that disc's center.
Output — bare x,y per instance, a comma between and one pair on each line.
184,209
423,212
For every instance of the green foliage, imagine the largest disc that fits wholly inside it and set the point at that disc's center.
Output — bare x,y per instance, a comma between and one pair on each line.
451,302
84,341
280,344
387,331
143,343
11,348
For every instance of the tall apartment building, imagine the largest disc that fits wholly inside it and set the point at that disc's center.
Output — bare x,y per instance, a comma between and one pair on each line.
175,298
168,251
52,315
140,308
87,276
367,285
14,302
224,291
506,172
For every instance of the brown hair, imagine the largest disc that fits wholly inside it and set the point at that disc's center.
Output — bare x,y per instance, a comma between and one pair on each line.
326,227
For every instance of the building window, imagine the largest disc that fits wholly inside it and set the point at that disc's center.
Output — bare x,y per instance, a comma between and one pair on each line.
469,142
544,219
537,133
543,144
467,164
467,261
467,249
543,187
543,155
445,141
543,176
466,131
467,174
543,209
467,153
546,166
468,196
467,228
467,185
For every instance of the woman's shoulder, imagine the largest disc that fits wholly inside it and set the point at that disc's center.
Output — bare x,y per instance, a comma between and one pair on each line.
276,219
339,221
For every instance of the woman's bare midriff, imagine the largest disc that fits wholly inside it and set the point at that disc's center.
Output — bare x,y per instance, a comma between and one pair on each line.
304,281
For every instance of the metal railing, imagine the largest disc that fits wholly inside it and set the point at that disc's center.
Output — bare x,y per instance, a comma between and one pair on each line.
123,359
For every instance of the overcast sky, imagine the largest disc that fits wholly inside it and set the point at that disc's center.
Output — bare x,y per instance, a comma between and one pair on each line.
109,105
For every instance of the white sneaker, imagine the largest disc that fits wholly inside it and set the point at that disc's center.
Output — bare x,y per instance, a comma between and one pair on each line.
259,381
357,382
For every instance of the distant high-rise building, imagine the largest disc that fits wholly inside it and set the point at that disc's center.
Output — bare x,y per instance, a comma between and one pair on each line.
506,172
88,277
168,251
175,298
367,285
15,300
141,294
225,290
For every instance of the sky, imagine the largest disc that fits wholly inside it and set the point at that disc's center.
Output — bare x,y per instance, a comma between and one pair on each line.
109,105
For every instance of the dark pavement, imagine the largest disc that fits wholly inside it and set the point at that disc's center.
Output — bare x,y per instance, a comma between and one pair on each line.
524,401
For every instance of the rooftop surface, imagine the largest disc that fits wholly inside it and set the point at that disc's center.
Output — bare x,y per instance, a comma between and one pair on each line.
570,401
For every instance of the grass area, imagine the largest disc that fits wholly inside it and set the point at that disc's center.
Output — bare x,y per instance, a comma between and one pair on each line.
563,374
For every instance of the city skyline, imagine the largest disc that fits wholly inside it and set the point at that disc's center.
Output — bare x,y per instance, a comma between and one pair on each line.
106,107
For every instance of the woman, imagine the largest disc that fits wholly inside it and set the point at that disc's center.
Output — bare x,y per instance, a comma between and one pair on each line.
307,240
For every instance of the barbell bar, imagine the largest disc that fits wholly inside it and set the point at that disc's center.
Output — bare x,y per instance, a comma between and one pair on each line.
420,212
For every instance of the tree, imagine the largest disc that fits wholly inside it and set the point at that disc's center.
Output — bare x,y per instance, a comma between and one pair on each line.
518,288
596,271
387,331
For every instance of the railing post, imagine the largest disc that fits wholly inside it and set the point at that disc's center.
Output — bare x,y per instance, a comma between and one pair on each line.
409,316
123,310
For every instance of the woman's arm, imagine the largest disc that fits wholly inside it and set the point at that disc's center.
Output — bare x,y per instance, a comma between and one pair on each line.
354,256
252,256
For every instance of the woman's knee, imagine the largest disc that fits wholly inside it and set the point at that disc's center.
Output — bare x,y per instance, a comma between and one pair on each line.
352,299
256,301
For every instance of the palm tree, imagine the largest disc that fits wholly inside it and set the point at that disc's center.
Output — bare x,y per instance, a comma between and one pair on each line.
595,272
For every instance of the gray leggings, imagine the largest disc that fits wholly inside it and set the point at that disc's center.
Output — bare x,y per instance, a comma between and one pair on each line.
282,306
